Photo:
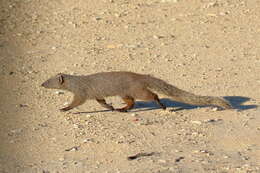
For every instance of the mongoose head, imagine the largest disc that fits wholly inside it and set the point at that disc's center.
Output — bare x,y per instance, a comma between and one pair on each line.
55,82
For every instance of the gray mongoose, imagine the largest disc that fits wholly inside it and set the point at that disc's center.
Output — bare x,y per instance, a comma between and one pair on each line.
129,86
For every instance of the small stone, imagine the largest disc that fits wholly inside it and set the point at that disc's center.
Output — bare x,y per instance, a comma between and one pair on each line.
211,4
219,69
196,151
97,18
15,131
134,114
157,36
179,159
162,161
23,105
88,140
223,13
43,124
75,148
36,128
61,159
225,157
196,122
212,120
204,151
59,92
215,109
88,115
118,15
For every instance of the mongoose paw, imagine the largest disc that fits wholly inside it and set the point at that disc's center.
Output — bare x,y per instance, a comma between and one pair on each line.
164,107
121,110
65,109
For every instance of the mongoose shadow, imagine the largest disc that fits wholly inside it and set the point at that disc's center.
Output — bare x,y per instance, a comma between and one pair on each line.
235,101
140,106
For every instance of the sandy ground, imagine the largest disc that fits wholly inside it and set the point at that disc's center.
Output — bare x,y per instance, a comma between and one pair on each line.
203,46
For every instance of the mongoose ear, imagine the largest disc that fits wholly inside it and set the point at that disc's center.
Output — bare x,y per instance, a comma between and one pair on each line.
61,79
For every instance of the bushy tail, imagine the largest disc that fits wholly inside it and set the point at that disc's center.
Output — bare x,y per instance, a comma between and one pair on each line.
184,96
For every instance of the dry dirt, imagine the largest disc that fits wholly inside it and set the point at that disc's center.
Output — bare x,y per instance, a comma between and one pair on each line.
207,47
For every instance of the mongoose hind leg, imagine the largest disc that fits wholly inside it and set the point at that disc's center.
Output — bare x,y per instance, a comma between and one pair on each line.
129,104
150,96
103,103
77,100
160,103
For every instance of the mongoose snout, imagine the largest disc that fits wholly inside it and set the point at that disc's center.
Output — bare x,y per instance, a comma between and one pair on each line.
55,82
43,84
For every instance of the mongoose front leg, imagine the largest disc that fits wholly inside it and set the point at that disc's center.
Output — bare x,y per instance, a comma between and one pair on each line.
77,100
129,104
103,103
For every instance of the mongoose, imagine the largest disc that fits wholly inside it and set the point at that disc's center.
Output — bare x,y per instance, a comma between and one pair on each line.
128,85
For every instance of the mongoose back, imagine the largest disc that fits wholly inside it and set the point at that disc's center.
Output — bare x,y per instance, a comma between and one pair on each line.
129,86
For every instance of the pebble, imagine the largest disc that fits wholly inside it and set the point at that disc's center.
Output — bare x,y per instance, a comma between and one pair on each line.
97,18
212,120
215,109
196,151
75,126
88,140
196,122
223,13
225,157
118,15
59,92
179,159
75,148
157,36
134,114
15,131
211,4
61,159
88,115
162,161
23,105
111,46
43,124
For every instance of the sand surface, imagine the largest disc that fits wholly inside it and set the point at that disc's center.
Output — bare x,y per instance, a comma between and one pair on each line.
206,47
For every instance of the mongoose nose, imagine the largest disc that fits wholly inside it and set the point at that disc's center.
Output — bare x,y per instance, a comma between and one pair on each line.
42,84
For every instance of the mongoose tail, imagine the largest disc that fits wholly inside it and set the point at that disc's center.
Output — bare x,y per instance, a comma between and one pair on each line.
184,96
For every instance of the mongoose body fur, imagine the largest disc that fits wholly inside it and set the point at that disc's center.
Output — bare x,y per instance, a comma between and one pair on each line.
129,86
